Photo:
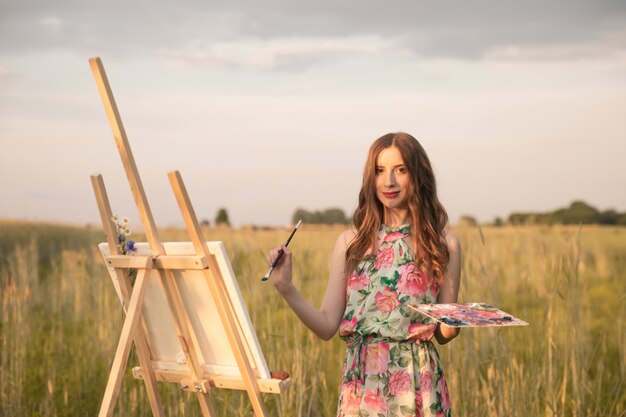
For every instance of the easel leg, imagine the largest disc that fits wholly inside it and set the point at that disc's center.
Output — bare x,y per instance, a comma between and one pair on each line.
143,351
206,405
123,347
149,378
220,296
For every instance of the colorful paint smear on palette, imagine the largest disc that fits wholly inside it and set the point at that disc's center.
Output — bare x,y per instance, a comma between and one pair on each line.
468,315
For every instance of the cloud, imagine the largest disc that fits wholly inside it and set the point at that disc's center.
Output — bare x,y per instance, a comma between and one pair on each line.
453,29
289,54
613,46
203,32
51,22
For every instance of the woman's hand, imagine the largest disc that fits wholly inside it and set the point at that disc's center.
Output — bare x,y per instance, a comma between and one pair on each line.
419,332
281,275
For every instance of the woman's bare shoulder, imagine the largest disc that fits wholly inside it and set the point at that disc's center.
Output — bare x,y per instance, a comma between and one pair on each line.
344,239
454,244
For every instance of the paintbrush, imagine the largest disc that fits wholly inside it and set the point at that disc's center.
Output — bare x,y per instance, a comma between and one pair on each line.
280,254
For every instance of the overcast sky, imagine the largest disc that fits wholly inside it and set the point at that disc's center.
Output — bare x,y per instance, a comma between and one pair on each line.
267,106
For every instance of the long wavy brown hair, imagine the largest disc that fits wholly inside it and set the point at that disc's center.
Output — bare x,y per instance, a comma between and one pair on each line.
428,217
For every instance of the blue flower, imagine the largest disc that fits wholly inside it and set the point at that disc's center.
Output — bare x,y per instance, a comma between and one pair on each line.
130,247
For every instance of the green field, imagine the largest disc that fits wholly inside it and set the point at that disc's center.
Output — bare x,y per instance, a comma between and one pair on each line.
60,321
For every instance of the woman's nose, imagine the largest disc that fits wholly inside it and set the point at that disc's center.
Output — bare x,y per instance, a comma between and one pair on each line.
390,180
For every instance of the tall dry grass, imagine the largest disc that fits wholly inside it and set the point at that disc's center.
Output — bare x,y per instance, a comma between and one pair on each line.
61,320
569,284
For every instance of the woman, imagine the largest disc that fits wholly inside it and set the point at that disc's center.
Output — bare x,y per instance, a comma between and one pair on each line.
397,255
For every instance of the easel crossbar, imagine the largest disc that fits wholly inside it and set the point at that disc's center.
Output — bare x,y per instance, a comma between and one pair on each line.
272,386
176,262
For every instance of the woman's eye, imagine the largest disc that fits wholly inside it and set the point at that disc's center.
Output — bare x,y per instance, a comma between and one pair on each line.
378,171
401,170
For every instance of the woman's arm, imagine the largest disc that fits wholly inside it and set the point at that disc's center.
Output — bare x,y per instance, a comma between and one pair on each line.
324,321
449,290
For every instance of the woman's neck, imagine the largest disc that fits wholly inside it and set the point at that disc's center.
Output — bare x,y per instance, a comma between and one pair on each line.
396,217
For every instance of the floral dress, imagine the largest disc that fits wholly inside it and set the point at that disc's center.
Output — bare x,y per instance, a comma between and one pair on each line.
385,373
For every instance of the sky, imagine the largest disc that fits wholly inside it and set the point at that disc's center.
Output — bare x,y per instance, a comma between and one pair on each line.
269,106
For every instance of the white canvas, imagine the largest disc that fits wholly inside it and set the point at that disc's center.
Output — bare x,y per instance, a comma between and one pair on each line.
212,345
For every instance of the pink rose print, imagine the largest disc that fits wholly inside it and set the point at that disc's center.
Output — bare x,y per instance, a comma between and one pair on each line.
411,281
391,237
347,326
442,387
384,259
426,382
376,358
375,402
357,282
420,331
350,401
399,382
386,300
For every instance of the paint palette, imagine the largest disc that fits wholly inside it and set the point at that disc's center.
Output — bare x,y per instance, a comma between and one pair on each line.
468,315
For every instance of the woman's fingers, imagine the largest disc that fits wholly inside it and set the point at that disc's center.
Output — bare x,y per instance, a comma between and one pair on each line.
272,256
286,255
276,252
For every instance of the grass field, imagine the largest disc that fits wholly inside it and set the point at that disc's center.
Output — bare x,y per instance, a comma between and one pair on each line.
60,320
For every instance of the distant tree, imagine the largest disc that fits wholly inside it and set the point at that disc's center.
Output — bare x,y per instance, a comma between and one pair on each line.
301,214
578,212
517,219
608,217
498,222
328,216
467,220
545,218
333,216
205,222
222,217
513,219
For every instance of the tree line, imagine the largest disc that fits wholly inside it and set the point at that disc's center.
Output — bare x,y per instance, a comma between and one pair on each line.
579,212
328,216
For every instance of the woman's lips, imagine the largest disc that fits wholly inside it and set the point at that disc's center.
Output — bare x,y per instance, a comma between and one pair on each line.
391,195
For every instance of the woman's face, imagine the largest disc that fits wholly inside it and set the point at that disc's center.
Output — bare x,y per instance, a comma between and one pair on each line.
392,179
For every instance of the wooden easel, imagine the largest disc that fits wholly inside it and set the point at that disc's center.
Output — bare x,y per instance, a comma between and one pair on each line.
161,266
